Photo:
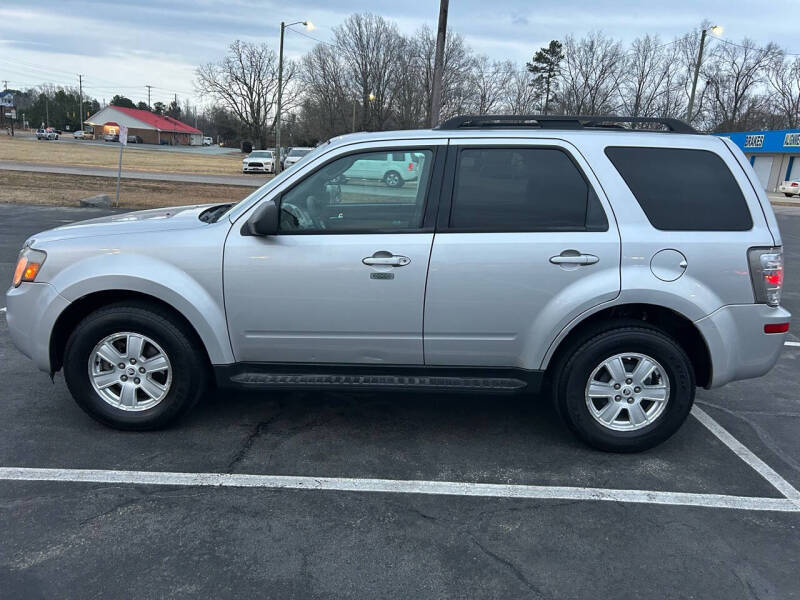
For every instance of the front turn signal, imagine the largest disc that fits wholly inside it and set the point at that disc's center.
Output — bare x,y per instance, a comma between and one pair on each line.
28,265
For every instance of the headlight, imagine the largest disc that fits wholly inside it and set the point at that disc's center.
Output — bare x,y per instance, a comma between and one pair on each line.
28,265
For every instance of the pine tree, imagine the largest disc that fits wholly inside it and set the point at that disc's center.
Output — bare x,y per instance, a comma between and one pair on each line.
545,66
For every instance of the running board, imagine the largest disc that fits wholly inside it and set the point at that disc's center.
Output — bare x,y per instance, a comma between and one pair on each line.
316,380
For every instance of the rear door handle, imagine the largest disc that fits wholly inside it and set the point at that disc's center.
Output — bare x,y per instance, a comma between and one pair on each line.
574,259
393,260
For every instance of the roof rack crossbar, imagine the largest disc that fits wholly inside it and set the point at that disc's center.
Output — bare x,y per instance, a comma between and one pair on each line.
562,122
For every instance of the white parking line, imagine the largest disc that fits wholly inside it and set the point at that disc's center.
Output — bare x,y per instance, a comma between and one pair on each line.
393,486
762,468
791,343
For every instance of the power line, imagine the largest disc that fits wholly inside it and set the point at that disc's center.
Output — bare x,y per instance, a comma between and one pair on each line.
311,37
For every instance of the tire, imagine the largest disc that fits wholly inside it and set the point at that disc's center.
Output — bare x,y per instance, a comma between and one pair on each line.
184,380
788,195
672,377
393,179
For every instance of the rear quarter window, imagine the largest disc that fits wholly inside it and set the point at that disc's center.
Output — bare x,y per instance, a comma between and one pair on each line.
682,189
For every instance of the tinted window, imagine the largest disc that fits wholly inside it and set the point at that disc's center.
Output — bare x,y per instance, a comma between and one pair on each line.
359,193
683,190
522,189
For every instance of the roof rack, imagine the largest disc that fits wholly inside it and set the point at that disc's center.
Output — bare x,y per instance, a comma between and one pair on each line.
563,122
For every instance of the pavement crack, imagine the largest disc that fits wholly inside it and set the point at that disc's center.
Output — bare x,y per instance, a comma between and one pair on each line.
509,565
248,442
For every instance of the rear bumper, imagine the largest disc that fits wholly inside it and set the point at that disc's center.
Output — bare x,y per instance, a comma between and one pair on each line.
31,312
737,343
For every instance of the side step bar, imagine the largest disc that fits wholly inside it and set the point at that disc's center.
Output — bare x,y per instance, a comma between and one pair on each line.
315,380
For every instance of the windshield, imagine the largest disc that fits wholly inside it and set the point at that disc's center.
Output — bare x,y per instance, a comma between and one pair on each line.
299,152
261,154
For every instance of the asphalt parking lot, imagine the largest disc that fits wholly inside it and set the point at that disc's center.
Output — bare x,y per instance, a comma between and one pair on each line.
369,495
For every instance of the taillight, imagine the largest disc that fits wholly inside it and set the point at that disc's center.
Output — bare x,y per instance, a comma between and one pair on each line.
766,272
794,184
411,166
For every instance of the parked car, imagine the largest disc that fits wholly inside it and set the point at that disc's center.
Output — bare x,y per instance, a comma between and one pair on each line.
46,134
549,256
111,137
134,139
259,161
207,141
393,168
790,188
294,155
80,134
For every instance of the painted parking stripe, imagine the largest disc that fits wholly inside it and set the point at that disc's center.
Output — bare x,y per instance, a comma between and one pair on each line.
393,486
791,343
762,468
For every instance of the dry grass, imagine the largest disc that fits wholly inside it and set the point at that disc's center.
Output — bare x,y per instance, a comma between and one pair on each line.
23,187
25,149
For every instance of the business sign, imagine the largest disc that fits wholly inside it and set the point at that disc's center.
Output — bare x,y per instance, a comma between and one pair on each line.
792,139
123,135
11,114
7,99
754,141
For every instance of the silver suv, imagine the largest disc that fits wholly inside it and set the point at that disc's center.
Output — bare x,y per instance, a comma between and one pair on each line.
615,268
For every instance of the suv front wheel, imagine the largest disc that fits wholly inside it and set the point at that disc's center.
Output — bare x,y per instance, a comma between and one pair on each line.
626,389
134,366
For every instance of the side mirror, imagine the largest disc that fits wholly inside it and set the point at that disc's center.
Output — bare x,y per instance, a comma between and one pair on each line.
265,220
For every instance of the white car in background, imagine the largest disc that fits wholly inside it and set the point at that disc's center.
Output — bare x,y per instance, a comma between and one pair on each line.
46,134
393,168
259,161
207,141
295,154
80,134
790,188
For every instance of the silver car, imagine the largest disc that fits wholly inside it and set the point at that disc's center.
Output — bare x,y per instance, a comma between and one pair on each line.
613,269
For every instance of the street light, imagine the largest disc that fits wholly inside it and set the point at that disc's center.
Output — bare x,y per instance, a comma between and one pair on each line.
277,159
371,97
716,30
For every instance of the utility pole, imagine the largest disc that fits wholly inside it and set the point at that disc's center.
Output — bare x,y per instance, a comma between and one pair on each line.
438,64
5,84
276,161
149,106
80,97
716,29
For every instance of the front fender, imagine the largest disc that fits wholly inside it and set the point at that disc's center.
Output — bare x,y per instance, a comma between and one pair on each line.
201,306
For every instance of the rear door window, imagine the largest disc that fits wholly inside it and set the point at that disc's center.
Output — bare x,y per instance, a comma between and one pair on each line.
683,189
522,189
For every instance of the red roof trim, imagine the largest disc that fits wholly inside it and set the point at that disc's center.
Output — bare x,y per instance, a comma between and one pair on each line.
162,123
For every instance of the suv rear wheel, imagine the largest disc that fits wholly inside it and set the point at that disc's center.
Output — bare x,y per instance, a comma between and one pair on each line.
625,389
131,366
393,179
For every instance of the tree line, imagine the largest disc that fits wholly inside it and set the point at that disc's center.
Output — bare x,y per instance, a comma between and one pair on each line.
372,77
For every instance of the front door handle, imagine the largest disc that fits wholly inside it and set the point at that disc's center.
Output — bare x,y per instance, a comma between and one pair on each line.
386,259
573,258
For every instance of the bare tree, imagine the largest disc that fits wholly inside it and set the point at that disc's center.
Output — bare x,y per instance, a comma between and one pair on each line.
521,96
328,102
783,77
734,75
489,81
370,47
246,83
590,74
648,86
458,63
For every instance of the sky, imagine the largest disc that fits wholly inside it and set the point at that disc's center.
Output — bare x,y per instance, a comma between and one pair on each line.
120,47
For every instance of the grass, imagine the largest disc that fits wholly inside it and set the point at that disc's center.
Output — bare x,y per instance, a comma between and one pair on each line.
24,187
25,149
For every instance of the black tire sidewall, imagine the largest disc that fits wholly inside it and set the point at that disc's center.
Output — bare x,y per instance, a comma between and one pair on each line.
399,179
187,373
571,398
